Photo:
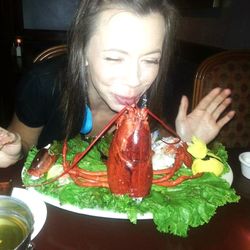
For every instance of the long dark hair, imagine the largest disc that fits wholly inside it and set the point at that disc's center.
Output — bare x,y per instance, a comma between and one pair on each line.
74,91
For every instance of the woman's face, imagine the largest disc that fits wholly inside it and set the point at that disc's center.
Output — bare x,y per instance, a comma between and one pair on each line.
123,56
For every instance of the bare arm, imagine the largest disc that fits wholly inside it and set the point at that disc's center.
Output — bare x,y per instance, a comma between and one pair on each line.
16,141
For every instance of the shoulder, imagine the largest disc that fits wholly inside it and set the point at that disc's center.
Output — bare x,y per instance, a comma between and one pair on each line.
43,75
38,94
46,68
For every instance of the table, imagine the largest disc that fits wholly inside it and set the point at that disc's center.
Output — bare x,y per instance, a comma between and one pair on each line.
228,229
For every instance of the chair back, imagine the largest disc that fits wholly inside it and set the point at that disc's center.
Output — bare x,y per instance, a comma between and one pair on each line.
229,69
51,52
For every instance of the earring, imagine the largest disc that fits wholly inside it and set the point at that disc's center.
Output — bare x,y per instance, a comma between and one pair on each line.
86,63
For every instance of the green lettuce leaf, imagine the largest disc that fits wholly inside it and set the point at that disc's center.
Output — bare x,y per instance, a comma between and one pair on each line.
174,209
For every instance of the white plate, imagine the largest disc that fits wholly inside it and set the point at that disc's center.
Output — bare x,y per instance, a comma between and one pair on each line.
36,205
103,213
97,212
228,176
86,211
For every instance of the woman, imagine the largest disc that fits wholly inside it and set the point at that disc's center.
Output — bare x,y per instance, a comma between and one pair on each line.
118,51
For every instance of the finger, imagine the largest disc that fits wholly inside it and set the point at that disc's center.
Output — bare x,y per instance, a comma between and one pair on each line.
218,100
182,112
221,108
208,99
225,119
6,137
13,149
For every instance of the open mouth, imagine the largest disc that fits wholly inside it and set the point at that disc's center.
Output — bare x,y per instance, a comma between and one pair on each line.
126,100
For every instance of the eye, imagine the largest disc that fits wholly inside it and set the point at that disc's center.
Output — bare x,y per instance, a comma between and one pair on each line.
112,59
152,61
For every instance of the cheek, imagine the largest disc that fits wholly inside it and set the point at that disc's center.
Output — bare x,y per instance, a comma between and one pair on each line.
149,74
100,73
110,75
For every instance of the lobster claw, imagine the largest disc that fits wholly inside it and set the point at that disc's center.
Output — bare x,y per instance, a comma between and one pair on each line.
42,162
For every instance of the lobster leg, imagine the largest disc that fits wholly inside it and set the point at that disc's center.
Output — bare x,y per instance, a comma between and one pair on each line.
79,156
129,163
179,180
182,156
177,164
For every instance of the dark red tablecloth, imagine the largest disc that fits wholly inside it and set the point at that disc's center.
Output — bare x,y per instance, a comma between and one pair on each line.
228,229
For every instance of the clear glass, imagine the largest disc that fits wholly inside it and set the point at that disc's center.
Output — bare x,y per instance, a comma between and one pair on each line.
16,223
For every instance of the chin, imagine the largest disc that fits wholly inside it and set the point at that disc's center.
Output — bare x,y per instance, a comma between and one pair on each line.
117,107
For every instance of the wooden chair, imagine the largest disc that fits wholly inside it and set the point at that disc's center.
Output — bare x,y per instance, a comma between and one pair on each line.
229,69
51,52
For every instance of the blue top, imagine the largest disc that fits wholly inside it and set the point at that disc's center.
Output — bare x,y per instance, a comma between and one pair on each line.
87,123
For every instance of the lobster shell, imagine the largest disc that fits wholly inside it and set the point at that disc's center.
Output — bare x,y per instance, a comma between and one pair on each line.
42,162
130,155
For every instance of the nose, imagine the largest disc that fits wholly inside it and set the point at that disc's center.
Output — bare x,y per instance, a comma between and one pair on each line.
134,75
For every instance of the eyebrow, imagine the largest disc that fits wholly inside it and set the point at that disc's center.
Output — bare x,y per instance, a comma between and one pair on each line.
126,53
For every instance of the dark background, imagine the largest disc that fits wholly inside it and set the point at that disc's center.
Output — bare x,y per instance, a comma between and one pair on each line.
48,15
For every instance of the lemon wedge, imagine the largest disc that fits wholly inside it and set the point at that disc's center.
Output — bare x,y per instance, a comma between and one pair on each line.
212,165
198,149
54,171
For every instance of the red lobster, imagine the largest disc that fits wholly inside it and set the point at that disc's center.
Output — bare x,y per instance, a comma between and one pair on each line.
130,155
129,165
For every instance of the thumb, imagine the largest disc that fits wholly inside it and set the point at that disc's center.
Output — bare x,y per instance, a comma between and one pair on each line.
182,112
13,147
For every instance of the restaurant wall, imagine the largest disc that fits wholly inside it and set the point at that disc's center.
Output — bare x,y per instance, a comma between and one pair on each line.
202,33
224,27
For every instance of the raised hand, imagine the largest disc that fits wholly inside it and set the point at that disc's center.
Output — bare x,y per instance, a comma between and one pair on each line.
10,148
205,121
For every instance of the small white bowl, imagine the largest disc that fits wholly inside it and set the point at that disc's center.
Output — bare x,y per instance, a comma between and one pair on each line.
245,164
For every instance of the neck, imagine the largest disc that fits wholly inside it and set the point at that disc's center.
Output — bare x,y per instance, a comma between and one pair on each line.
101,113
